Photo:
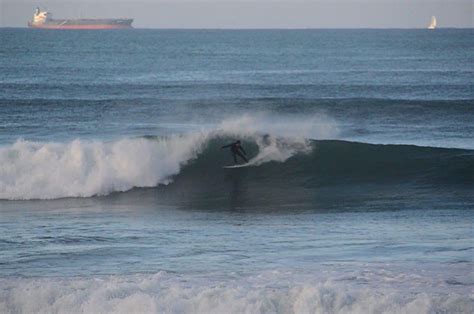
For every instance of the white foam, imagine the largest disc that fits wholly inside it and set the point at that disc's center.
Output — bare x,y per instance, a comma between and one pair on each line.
31,170
270,292
37,170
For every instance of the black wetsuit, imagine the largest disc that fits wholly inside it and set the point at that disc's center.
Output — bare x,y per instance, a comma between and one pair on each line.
237,150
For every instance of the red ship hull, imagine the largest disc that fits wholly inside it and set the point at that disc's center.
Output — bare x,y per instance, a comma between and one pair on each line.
98,26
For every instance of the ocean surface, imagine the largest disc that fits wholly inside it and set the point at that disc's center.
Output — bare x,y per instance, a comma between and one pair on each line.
359,197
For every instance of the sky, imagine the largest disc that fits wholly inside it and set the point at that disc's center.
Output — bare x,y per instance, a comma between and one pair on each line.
252,13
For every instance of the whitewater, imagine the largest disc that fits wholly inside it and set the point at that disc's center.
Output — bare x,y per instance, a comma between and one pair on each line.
268,292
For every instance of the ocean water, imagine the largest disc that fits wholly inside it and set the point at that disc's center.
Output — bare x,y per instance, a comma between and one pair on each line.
359,199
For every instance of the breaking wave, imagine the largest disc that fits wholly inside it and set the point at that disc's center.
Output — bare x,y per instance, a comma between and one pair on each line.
267,292
279,158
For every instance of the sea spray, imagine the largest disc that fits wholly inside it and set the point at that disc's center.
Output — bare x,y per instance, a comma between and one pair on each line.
314,126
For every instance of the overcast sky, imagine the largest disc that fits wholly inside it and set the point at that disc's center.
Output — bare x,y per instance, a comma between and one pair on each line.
252,13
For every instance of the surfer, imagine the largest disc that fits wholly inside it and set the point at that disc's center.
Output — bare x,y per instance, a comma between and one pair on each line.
237,150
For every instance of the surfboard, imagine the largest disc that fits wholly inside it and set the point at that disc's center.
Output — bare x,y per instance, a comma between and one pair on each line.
237,166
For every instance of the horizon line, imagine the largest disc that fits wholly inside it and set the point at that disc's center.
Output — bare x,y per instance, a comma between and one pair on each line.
264,28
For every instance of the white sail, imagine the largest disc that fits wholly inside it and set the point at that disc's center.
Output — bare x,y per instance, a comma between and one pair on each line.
433,23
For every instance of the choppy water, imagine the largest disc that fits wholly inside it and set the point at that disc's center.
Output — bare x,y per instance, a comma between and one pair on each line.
359,197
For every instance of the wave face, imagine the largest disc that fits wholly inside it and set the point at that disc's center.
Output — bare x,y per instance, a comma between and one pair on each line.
35,170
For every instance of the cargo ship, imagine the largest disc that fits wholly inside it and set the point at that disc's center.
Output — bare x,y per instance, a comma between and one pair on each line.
44,19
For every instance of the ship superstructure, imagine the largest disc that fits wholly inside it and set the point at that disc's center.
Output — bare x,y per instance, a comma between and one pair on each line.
44,19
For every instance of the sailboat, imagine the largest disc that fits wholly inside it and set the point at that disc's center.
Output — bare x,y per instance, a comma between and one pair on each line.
432,23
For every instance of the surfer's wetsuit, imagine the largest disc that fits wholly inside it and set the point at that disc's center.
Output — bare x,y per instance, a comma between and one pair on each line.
237,150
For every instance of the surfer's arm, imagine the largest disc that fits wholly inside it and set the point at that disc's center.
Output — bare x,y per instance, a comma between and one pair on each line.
225,146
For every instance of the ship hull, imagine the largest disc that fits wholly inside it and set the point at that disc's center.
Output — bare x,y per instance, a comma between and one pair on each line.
91,26
84,24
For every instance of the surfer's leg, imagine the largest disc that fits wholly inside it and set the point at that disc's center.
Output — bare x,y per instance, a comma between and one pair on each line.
242,156
235,157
